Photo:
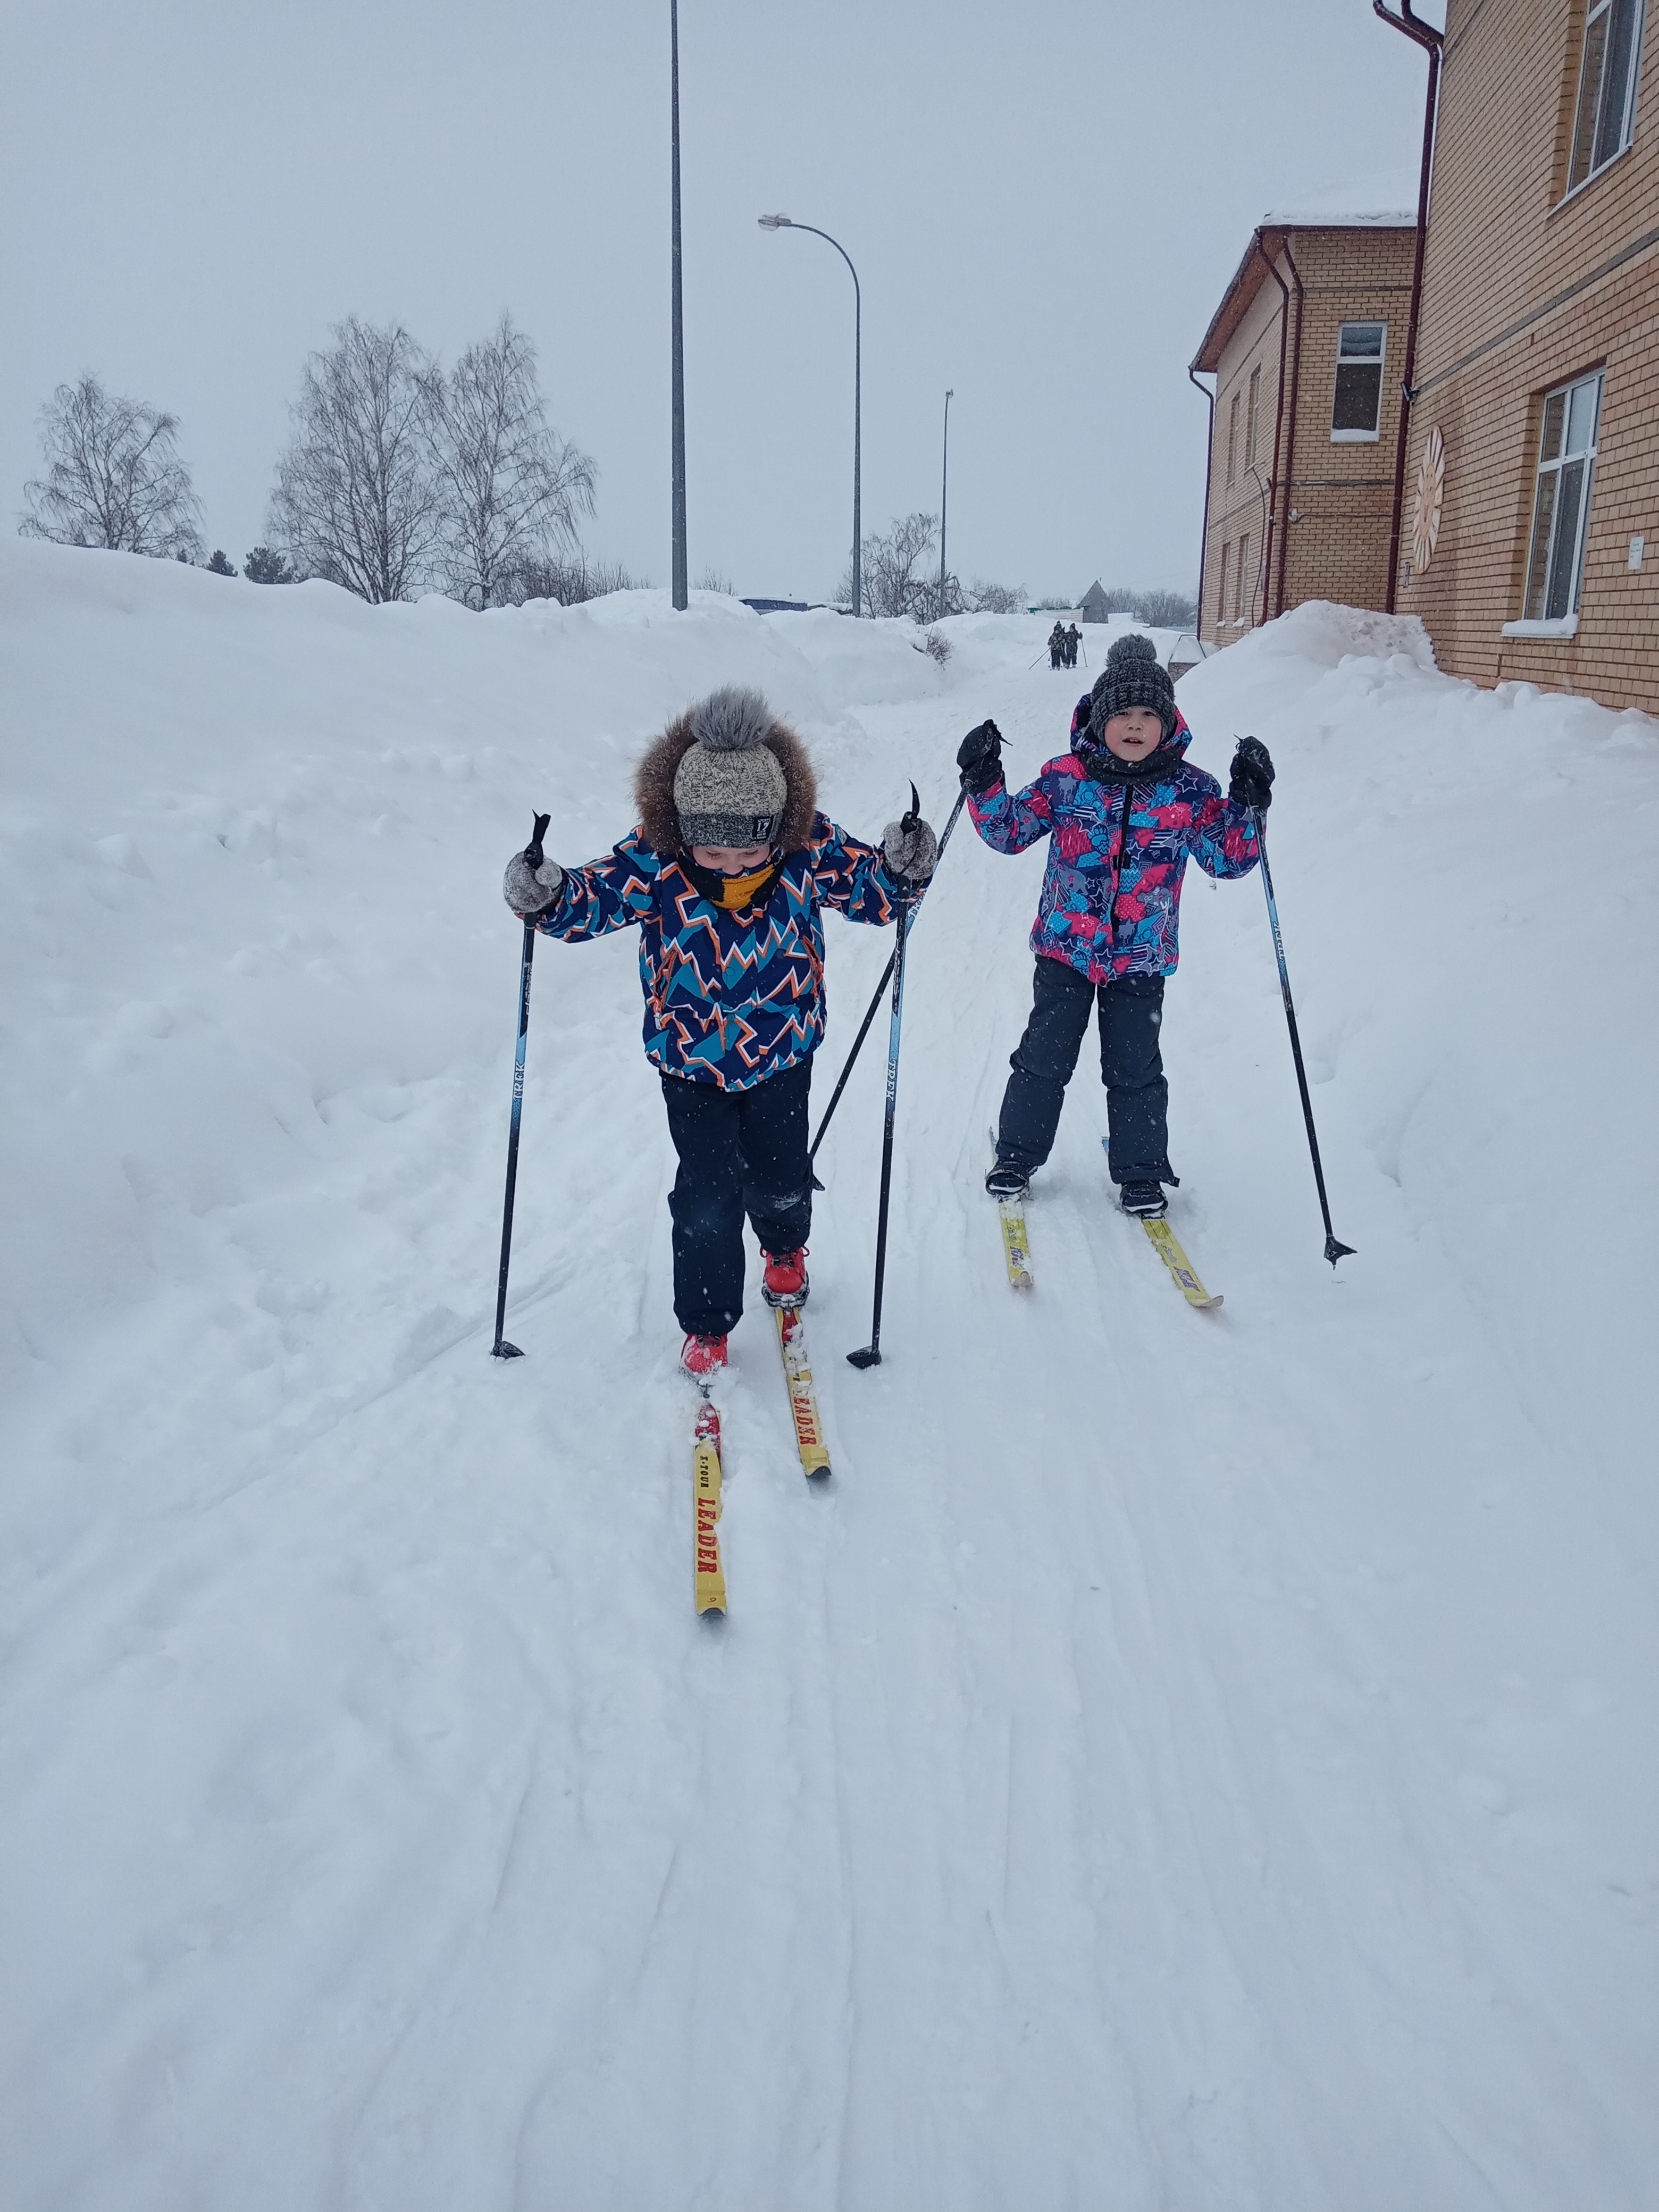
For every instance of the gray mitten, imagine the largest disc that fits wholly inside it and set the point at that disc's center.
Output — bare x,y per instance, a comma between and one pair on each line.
911,854
530,891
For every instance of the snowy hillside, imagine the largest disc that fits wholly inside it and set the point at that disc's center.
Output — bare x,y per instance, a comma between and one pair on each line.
1191,1761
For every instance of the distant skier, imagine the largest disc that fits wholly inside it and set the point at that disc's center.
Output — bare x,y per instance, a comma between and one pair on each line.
725,877
1124,812
1074,639
1057,647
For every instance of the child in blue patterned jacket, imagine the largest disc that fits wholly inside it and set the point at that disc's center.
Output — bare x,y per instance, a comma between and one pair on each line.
1124,812
724,878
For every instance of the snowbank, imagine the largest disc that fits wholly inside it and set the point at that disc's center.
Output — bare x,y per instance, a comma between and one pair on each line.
1210,1751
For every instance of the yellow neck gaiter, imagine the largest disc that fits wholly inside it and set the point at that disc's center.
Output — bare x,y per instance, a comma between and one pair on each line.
739,891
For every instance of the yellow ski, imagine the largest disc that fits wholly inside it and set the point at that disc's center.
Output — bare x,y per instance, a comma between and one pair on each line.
1015,1249
803,1400
1167,1247
706,1480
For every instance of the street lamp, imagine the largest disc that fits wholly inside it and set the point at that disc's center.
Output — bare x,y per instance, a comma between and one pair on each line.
944,488
677,450
783,223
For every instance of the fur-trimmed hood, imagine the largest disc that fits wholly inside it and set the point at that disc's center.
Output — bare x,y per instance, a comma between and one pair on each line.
653,787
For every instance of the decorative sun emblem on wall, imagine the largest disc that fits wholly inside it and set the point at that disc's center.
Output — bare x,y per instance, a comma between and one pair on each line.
1431,491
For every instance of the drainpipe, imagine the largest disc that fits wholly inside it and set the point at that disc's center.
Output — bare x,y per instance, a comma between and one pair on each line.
1279,420
1290,442
1209,471
1431,42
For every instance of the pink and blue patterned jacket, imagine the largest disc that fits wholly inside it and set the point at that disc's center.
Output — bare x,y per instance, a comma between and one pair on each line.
730,999
1111,894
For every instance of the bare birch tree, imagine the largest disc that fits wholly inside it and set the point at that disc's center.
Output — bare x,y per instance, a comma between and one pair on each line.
891,585
514,489
114,478
359,500
1165,610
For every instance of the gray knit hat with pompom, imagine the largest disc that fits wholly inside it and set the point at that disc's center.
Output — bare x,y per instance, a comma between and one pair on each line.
1133,677
729,789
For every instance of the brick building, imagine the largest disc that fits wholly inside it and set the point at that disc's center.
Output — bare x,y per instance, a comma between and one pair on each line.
1530,537
1305,349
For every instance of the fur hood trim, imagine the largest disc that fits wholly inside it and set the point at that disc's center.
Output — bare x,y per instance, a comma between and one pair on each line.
653,787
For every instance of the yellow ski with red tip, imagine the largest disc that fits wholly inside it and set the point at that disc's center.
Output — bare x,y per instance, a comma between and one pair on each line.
803,1398
710,1577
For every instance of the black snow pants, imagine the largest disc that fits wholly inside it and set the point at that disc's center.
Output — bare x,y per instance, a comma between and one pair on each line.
740,1152
1131,1009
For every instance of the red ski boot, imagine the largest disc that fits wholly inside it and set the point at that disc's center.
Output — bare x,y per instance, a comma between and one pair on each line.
784,1283
702,1357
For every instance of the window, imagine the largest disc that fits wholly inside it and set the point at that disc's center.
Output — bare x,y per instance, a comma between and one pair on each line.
1250,420
1357,409
1221,595
1607,87
1232,438
1566,463
1240,604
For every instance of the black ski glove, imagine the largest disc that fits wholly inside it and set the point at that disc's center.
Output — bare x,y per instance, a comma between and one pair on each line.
1252,783
980,758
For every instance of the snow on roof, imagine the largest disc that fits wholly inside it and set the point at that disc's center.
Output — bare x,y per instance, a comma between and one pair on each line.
1384,200
1324,219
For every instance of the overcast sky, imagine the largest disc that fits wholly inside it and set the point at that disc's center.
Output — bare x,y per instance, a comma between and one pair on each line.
1044,202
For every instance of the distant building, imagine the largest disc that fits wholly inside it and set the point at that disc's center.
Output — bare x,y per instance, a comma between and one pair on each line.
1092,606
1530,535
1305,349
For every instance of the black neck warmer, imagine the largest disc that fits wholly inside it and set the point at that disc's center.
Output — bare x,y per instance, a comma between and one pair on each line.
1106,767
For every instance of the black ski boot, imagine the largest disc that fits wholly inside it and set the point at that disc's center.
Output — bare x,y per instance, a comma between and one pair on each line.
1006,1180
1145,1201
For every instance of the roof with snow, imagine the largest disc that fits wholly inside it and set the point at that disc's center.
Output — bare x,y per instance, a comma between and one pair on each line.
1251,274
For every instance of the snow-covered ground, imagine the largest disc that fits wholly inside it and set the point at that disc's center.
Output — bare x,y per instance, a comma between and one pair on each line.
1194,1762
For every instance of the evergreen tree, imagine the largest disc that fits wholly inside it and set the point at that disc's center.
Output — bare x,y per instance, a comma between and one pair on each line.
262,566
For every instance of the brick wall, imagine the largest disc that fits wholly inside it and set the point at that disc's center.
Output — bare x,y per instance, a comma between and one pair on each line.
1503,247
1328,521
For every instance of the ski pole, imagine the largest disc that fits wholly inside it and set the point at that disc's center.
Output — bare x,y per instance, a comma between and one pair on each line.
502,1349
870,1011
1333,1251
869,1355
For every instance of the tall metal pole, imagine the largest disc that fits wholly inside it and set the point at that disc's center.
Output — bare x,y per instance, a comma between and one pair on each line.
784,222
858,440
944,494
678,461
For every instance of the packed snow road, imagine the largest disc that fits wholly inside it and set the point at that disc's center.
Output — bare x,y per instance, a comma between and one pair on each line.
1181,1760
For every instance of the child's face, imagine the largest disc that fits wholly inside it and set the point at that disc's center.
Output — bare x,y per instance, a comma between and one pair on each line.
1134,733
735,860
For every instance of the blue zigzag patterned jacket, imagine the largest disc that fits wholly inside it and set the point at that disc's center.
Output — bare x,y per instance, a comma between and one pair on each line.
1111,894
730,999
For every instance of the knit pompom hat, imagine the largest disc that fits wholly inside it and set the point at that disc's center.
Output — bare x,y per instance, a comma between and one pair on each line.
729,789
1133,677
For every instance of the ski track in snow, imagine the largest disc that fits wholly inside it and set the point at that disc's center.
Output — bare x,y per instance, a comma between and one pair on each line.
1186,1761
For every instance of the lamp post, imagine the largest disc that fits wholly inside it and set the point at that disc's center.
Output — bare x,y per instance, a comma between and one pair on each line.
783,223
677,460
944,490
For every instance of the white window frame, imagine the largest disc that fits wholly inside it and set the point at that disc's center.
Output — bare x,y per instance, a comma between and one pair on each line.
1541,622
1600,11
1360,322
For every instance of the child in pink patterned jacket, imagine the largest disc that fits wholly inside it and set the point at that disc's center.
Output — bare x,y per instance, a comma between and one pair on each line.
1124,811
